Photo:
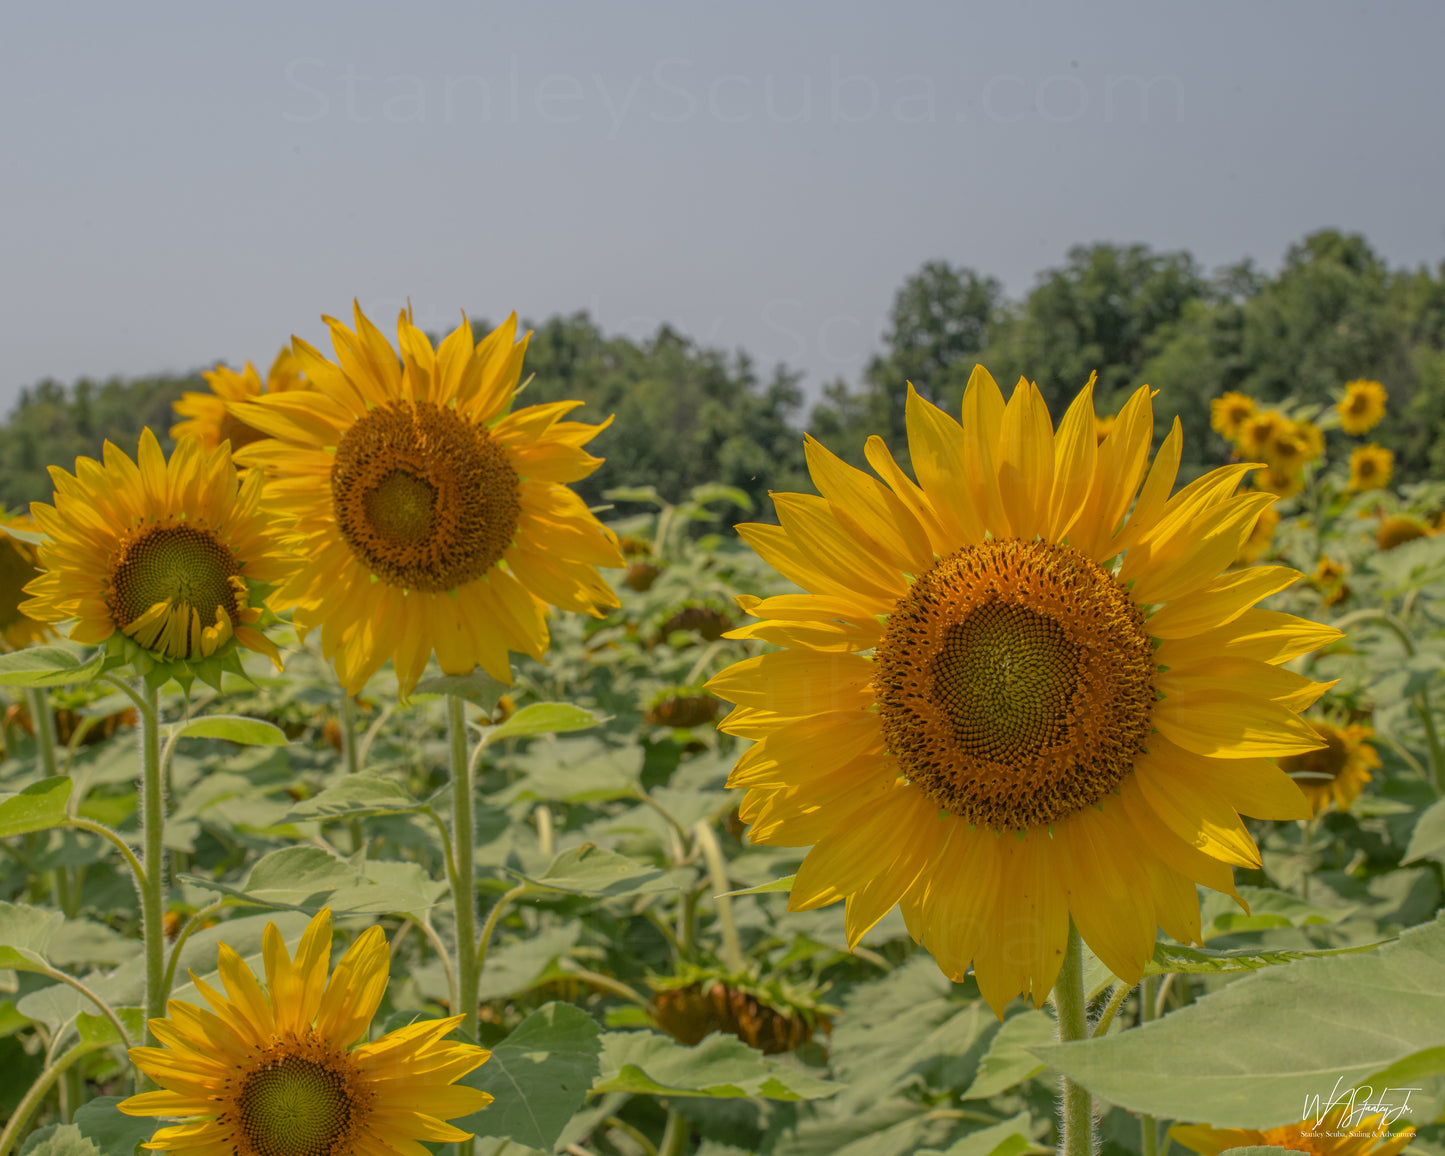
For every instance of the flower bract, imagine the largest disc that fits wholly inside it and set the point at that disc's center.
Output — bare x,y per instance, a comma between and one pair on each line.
283,1071
1021,690
429,513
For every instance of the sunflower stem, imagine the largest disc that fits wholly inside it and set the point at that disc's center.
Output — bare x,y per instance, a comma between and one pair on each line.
347,725
675,1136
717,869
1076,1106
42,719
464,883
153,820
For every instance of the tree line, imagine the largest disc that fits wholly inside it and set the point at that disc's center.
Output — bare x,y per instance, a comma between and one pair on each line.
687,414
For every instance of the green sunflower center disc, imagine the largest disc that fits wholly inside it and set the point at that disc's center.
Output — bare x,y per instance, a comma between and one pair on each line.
292,1106
1015,683
426,499
178,565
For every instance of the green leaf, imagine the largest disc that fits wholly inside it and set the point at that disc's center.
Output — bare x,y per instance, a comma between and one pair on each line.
634,494
1428,837
581,770
1267,908
783,884
1008,1138
1250,1054
251,732
353,796
721,1067
1009,1061
25,933
38,807
111,1131
542,718
591,870
47,666
1171,957
298,872
718,492
1422,1065
96,1031
58,1140
539,1076
479,687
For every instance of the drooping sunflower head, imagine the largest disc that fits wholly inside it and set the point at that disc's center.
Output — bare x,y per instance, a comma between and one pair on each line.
430,514
1334,1134
1022,689
1362,407
1370,468
168,562
19,564
1338,770
282,1072
1227,414
209,416
1399,529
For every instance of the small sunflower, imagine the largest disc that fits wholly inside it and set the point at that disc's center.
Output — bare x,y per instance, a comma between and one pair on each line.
1289,448
1257,433
167,562
1227,414
275,1073
1279,482
1399,529
19,564
430,515
982,715
1329,579
209,416
1331,1135
1103,426
1338,770
1370,468
1362,407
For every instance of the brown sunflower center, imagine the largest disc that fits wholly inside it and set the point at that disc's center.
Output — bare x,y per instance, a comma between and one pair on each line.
1016,683
292,1105
1321,766
423,497
175,564
1357,404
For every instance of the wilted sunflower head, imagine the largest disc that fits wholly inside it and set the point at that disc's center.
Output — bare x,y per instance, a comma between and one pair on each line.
1370,468
1362,407
282,1072
166,562
430,514
19,564
1399,529
1338,770
1227,414
209,416
1021,689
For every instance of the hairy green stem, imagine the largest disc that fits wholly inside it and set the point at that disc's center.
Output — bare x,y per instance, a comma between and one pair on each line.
1076,1106
153,819
106,833
717,869
484,941
1111,1009
464,882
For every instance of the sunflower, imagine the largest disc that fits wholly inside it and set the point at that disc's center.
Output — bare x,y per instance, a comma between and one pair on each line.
1399,529
1362,407
209,416
275,1073
1370,468
1338,770
19,564
1289,448
1329,579
428,515
1257,434
1103,426
1227,414
168,562
980,715
1331,1135
1281,483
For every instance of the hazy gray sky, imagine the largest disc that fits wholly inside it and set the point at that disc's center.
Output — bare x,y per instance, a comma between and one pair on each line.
182,183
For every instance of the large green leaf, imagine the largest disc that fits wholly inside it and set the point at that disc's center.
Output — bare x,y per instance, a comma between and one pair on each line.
58,1140
478,687
1428,837
592,870
1268,908
1171,957
1009,1061
354,796
721,1067
1008,1138
25,933
543,718
539,1076
310,878
252,732
37,807
113,1132
47,666
1249,1055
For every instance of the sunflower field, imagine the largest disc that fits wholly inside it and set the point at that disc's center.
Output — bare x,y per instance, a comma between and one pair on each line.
366,792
